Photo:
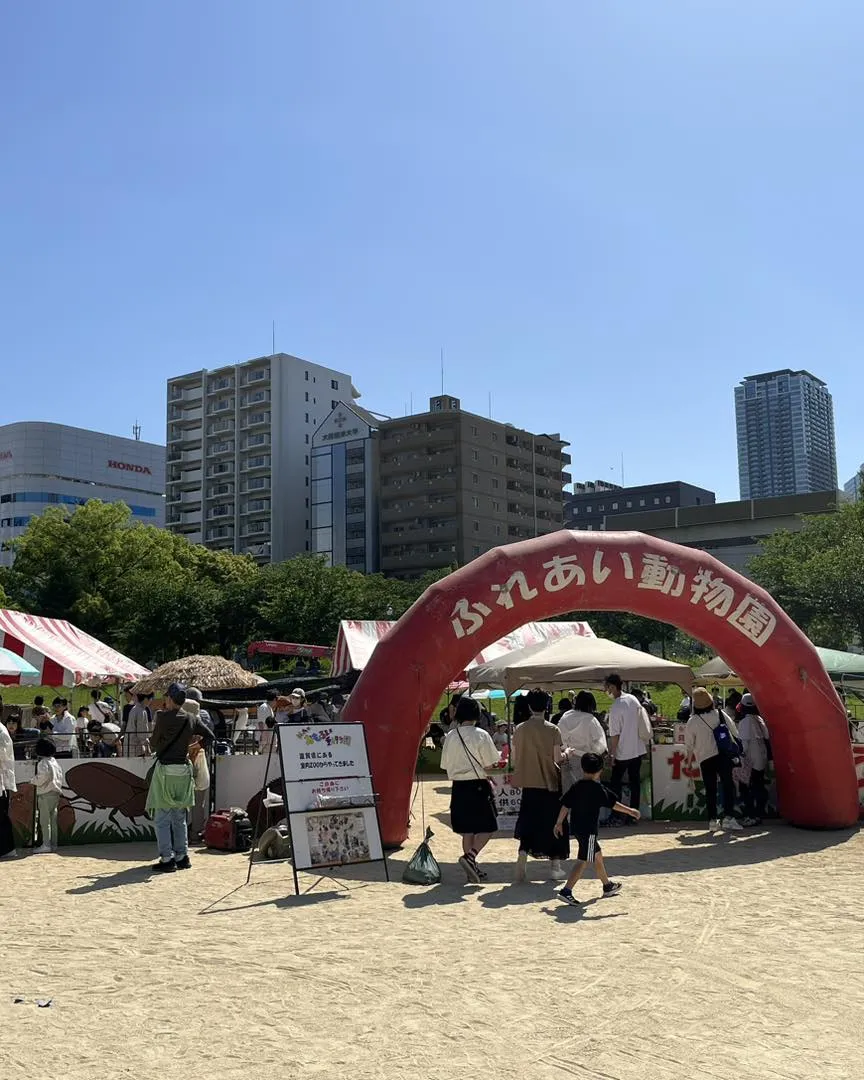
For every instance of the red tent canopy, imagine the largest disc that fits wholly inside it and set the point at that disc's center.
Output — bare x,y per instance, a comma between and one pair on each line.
63,654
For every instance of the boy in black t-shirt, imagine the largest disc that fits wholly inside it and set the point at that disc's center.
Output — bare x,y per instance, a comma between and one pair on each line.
584,801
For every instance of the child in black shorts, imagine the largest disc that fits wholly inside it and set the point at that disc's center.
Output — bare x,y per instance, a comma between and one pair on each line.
584,801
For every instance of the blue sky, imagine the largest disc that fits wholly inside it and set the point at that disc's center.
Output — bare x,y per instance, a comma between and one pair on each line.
607,213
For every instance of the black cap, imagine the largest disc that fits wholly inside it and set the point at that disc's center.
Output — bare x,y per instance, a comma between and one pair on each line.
177,693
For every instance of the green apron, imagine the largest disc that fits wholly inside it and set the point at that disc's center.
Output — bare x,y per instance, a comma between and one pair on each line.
172,787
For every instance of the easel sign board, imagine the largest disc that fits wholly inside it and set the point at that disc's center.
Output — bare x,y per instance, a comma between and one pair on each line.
327,838
322,751
302,795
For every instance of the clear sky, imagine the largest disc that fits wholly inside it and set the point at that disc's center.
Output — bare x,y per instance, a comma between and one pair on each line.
606,212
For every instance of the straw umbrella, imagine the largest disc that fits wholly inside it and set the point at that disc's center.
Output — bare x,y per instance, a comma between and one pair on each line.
204,672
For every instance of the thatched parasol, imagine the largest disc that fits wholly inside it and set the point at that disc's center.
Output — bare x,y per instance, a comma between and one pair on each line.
203,672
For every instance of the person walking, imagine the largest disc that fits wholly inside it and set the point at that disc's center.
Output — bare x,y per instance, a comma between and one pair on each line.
172,787
628,727
8,787
536,755
700,739
49,787
583,802
581,733
467,752
753,732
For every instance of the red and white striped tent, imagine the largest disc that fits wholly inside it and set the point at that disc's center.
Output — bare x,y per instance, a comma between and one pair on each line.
63,654
357,640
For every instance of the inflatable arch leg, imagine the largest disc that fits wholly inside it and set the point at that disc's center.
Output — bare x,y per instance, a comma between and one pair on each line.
571,571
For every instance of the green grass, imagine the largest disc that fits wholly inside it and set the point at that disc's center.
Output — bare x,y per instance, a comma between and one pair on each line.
23,695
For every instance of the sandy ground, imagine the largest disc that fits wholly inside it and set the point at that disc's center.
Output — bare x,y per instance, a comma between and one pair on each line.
725,959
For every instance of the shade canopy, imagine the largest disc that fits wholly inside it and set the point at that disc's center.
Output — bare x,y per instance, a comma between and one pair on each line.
16,667
62,654
202,672
358,639
575,661
841,667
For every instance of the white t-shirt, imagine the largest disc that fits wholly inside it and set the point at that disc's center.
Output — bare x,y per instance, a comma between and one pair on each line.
49,777
457,763
624,716
265,713
582,733
753,732
699,733
101,710
64,731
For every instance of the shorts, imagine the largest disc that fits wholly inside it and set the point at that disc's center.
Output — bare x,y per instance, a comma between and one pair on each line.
589,848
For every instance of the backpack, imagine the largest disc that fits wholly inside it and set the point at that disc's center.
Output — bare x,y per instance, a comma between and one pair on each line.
727,745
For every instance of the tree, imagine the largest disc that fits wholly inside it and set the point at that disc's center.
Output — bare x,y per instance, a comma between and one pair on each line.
817,574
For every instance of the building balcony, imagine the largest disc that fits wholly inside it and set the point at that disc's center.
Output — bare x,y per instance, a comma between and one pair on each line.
417,560
256,419
257,463
255,506
220,427
255,376
218,407
220,469
216,449
220,384
178,393
190,478
408,487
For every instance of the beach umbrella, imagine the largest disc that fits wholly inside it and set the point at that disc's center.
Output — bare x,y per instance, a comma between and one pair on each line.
203,672
16,667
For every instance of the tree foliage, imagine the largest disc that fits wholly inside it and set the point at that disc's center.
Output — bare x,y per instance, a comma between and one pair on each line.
817,575
155,596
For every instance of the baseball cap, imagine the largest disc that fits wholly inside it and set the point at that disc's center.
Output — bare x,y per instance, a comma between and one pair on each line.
177,693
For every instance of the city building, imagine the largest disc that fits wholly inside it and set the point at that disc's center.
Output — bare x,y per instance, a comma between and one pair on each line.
453,485
595,505
345,488
852,487
734,532
239,451
785,426
55,465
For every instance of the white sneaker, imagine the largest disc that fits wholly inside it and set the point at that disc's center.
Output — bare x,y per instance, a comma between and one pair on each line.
714,825
558,872
730,824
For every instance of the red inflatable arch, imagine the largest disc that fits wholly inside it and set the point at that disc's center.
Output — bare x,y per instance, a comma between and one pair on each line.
570,571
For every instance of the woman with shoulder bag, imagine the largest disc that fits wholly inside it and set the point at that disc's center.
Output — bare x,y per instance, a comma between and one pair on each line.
468,751
700,737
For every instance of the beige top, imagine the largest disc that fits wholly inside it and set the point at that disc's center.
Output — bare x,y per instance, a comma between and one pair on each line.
535,753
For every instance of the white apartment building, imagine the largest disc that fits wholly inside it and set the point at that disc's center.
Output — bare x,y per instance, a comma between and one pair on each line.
239,445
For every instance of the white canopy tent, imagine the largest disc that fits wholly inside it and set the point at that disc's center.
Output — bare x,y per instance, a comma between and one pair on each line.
574,661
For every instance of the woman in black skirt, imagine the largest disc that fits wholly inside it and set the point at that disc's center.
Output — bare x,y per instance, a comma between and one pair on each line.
537,755
468,752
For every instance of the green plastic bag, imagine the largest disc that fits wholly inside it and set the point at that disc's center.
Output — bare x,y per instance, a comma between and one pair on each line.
423,868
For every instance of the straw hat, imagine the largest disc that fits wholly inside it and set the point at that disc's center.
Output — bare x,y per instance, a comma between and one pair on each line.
205,672
702,699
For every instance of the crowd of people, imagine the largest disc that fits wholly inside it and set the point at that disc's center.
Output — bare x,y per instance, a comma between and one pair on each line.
558,760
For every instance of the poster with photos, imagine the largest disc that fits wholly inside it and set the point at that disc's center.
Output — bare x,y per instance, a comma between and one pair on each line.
328,838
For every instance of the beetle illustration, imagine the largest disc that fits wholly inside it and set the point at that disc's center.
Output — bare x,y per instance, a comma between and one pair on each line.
98,783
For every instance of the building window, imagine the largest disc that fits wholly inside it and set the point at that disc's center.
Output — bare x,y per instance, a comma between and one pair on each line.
307,459
475,502
656,502
668,499
575,511
588,509
333,404
307,395
629,505
602,508
475,479
496,507
475,525
494,481
475,455
307,440
307,376
307,414
334,384
494,459
641,502
494,437
497,530
614,506
475,431
476,550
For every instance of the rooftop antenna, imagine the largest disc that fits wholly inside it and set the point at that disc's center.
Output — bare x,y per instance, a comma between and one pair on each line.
136,431
274,338
622,470
412,403
442,371
490,404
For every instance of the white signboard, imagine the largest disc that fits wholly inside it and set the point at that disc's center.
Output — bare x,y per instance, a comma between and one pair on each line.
335,838
322,751
507,799
304,795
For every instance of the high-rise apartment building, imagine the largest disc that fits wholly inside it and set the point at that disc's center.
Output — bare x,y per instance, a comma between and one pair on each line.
453,485
785,422
345,489
852,487
239,452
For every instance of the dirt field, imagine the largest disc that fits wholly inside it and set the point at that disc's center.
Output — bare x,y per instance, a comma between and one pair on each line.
722,958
